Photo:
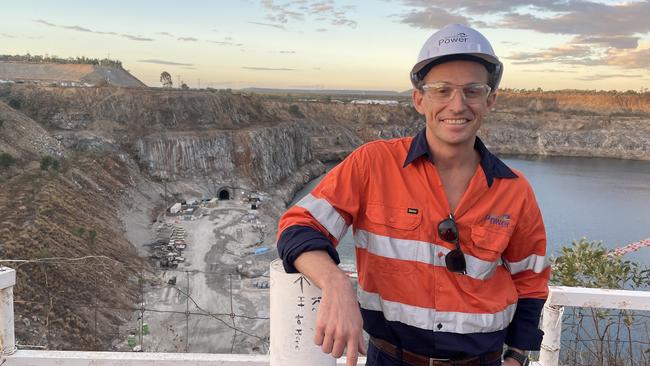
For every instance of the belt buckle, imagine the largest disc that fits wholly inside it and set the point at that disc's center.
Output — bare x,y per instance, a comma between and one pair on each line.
432,360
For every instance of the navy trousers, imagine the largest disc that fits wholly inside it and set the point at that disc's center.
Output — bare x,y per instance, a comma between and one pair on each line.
379,358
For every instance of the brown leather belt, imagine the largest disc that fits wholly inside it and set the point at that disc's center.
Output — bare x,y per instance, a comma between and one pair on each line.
415,359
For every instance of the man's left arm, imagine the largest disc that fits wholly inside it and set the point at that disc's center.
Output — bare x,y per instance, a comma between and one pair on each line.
525,257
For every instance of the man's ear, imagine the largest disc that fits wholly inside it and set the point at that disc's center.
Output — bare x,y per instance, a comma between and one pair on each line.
492,98
418,96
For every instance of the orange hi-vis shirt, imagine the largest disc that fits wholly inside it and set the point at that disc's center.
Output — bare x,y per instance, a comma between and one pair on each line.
391,194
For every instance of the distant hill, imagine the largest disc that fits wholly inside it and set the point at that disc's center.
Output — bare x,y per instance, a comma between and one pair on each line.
66,74
323,91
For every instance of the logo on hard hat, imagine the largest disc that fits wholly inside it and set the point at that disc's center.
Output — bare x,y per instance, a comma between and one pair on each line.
458,38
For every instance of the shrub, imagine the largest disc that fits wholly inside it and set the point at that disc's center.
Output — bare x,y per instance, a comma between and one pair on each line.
15,103
295,111
6,160
48,162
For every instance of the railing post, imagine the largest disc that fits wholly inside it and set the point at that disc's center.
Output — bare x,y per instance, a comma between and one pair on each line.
552,326
294,304
7,338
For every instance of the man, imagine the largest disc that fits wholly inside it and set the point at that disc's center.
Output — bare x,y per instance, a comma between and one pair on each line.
450,242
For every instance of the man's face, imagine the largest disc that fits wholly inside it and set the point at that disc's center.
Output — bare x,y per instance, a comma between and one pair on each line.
453,123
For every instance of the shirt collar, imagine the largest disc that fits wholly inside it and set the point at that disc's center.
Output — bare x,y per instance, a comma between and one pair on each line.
492,166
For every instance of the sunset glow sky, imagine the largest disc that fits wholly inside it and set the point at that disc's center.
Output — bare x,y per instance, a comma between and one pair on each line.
332,44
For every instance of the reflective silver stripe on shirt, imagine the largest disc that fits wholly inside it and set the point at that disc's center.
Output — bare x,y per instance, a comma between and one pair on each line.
435,320
326,215
420,251
534,262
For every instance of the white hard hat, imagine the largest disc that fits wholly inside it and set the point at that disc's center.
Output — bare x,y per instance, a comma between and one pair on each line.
457,39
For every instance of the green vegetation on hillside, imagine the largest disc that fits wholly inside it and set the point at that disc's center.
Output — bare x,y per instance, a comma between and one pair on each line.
48,162
58,60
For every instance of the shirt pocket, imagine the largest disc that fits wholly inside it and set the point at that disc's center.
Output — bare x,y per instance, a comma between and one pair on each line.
391,230
488,243
399,218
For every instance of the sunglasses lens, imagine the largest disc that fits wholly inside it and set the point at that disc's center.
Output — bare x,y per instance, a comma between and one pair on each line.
448,231
455,261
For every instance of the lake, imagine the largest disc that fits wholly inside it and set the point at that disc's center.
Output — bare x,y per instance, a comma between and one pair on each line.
601,199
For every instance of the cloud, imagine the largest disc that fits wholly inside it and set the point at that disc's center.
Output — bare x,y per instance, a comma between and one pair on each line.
609,41
188,68
110,33
432,17
308,10
603,33
629,59
287,52
473,6
509,43
13,36
136,38
564,54
187,39
278,26
552,71
77,28
45,22
164,62
321,30
166,34
267,68
587,55
572,17
607,76
222,43
585,18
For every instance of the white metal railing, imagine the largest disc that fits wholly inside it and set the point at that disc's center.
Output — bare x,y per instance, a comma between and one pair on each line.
559,297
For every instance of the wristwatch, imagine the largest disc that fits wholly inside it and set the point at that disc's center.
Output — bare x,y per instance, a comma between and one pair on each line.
517,356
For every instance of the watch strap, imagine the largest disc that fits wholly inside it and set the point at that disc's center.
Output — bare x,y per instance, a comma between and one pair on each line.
517,356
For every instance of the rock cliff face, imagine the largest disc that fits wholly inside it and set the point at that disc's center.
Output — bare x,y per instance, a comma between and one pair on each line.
249,138
595,126
266,155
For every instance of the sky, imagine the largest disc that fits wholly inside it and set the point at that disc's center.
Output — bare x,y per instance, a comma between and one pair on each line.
337,44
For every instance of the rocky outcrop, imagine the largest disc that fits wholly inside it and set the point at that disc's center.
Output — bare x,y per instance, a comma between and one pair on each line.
559,134
265,155
23,138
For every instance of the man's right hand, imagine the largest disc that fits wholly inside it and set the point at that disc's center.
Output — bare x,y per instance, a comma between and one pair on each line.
338,321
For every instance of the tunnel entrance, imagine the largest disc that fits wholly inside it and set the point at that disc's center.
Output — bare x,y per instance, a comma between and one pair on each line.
224,195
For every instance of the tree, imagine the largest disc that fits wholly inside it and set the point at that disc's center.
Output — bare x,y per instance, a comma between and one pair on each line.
166,79
184,86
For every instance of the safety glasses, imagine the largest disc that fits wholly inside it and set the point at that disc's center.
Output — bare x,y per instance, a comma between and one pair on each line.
442,92
448,231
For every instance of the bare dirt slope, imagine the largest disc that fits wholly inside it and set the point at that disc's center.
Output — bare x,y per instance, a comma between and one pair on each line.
48,217
56,73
